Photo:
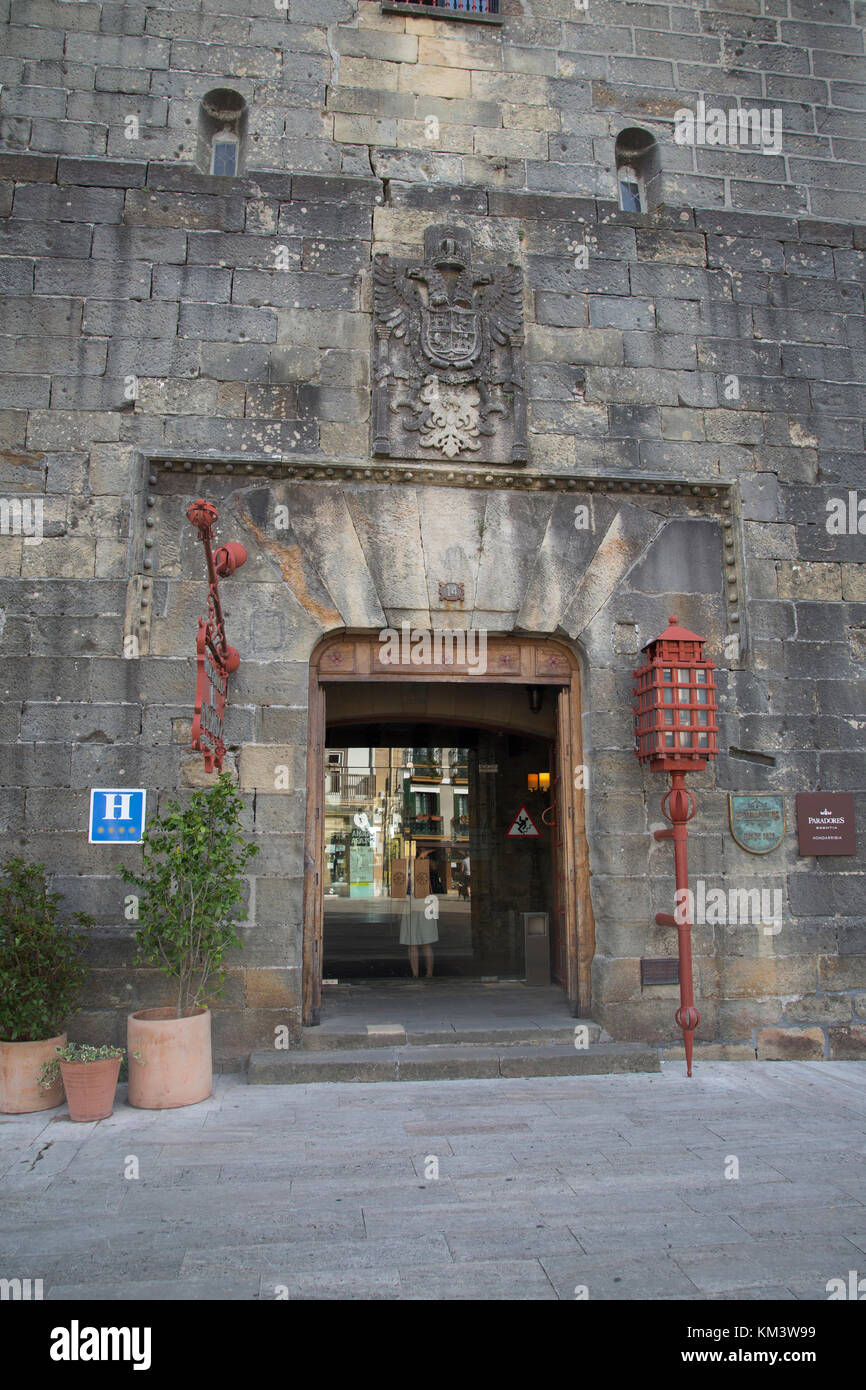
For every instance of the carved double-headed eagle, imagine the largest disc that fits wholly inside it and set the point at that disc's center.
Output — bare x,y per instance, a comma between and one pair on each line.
448,314
448,334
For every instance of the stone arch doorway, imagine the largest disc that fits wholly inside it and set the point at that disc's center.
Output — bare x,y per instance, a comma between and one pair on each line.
363,686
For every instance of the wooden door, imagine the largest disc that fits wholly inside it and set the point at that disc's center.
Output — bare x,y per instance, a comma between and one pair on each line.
559,926
566,877
314,871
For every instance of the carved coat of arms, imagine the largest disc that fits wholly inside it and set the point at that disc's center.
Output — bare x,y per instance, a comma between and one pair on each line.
448,369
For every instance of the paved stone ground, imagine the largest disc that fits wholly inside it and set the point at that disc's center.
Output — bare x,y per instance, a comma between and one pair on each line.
613,1182
440,1004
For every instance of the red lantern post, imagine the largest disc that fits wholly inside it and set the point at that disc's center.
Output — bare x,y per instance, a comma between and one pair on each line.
676,732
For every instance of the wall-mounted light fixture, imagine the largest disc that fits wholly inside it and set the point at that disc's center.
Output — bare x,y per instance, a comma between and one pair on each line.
676,732
538,781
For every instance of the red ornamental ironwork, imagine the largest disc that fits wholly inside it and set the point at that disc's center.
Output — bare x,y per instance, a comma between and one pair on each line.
215,659
676,732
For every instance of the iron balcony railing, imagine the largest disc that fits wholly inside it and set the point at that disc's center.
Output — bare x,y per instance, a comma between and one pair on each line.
426,764
350,786
425,825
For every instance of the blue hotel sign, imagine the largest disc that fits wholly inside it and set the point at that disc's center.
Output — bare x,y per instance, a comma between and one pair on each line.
116,816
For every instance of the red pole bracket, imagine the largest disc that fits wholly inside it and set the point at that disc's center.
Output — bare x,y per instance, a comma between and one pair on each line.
215,659
679,806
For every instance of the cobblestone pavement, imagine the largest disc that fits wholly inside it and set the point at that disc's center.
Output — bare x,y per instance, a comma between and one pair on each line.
615,1183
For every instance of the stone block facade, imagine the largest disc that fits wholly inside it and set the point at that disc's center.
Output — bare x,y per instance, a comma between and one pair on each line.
693,377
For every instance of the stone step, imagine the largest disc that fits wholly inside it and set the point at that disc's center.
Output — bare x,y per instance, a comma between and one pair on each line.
384,1035
447,1062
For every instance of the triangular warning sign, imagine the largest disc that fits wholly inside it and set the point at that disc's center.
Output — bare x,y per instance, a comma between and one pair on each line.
523,827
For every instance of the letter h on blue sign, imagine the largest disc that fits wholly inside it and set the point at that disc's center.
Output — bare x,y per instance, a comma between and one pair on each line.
116,816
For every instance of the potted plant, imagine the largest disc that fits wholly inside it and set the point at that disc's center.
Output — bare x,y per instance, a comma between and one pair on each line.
41,974
190,887
89,1075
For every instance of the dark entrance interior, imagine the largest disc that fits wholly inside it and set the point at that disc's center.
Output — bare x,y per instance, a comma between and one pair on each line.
433,802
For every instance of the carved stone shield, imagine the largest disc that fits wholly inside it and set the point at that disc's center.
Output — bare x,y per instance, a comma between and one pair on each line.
448,378
450,337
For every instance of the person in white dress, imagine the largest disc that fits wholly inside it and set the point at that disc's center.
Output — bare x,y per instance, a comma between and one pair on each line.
419,923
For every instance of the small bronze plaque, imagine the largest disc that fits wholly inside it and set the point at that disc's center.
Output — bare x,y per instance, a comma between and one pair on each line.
757,822
451,593
825,823
663,970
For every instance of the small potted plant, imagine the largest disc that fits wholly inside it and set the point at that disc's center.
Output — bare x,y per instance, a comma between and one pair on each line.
41,974
89,1075
190,887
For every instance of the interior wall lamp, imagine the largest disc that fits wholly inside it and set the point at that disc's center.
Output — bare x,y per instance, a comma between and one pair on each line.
538,781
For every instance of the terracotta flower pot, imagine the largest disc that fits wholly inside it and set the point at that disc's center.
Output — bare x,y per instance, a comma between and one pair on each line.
169,1058
90,1088
20,1064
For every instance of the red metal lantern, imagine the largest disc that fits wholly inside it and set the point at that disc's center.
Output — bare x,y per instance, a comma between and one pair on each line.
675,725
676,732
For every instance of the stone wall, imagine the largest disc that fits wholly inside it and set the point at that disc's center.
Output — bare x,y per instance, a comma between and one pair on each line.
697,385
536,102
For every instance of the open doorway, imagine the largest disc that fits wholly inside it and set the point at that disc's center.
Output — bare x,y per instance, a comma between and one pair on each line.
437,843
516,730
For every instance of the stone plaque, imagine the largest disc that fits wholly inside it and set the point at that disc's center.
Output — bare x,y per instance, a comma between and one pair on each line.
267,630
825,823
448,355
757,822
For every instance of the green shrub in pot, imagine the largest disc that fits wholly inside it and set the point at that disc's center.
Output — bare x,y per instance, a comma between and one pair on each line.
190,889
190,893
42,970
42,965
